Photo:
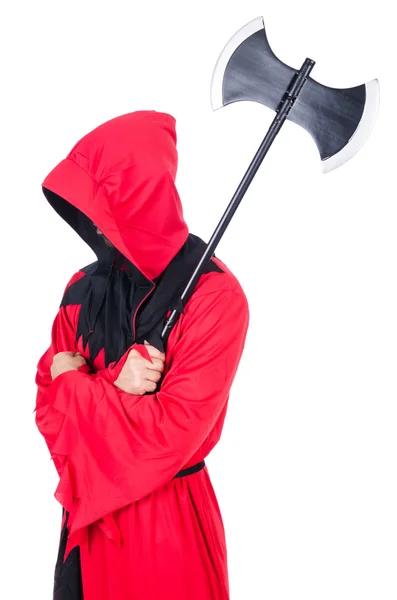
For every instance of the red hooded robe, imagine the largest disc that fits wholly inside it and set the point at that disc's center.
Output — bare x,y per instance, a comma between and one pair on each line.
139,525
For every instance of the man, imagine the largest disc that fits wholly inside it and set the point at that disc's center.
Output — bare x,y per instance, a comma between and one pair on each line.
129,423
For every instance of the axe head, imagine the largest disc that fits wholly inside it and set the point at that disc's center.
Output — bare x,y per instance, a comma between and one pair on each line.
339,120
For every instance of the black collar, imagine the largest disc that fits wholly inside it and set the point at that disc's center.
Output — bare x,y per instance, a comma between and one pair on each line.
113,299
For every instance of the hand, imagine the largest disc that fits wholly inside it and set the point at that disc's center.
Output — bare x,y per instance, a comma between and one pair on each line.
138,375
66,361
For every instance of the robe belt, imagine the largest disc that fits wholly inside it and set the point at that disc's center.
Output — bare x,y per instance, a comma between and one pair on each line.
191,470
108,523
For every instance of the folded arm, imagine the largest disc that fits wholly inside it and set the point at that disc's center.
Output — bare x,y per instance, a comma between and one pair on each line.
112,448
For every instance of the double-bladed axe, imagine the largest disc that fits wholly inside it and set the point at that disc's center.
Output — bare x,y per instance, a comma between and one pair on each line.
339,120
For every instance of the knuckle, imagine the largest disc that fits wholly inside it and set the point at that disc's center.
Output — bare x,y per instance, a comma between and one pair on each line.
159,364
150,386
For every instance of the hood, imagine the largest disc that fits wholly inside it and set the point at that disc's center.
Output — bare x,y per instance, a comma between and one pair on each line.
120,177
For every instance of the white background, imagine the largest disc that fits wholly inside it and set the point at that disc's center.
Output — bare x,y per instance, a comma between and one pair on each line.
305,471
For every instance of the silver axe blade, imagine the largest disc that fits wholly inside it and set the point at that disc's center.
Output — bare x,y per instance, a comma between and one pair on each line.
339,120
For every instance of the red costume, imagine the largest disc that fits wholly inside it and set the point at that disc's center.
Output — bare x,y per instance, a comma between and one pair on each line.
136,525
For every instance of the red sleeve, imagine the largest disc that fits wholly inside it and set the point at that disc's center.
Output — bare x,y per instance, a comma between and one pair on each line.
62,340
116,447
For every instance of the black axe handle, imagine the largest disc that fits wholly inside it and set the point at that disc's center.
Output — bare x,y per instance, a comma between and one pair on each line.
282,111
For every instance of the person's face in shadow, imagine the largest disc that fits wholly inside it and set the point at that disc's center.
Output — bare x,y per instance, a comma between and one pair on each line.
107,242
